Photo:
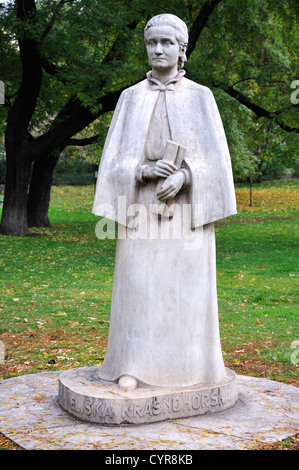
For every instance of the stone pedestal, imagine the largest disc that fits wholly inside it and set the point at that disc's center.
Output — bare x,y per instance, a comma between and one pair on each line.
85,396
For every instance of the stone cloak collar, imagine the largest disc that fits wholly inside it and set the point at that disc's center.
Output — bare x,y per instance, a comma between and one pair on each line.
168,85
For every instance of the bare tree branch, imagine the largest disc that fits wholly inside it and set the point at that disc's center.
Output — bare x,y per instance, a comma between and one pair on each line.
200,22
51,22
243,80
82,142
258,110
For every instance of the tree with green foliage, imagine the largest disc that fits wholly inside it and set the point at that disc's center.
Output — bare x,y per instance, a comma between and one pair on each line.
65,63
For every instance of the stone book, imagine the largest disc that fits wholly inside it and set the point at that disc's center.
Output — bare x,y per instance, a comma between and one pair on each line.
174,153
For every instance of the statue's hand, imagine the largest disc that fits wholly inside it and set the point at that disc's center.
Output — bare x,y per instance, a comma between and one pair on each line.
148,173
171,186
163,169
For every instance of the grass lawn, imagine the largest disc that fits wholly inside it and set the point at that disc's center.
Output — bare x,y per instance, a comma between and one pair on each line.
56,287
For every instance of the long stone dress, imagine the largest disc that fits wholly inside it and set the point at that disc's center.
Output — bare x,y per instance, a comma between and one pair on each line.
164,316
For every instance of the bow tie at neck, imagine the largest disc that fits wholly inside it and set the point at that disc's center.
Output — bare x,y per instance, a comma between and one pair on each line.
168,85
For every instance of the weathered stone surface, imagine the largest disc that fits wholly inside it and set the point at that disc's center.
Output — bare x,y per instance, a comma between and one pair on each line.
31,416
164,328
91,399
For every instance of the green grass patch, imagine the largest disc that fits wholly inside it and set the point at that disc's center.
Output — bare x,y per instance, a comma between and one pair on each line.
56,287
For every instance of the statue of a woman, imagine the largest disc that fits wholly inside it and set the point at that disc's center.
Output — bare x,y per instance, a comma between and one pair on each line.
164,317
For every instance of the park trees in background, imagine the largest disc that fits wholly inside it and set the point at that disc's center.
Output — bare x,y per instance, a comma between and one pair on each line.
65,63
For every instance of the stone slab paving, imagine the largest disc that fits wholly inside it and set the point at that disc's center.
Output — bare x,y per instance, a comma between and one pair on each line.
30,416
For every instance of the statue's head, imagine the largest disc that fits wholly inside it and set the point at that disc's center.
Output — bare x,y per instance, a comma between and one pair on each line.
178,29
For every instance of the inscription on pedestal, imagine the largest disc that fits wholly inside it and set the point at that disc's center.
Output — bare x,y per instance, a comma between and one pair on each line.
202,402
91,407
142,409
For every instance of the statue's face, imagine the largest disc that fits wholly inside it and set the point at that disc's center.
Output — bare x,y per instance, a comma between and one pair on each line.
162,48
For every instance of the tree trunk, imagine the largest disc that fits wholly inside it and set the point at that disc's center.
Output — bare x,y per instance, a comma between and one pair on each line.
40,190
14,214
18,141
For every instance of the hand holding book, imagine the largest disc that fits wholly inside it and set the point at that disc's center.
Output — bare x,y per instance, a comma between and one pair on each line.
170,180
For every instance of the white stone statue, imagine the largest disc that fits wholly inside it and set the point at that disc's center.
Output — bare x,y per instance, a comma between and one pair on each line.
165,176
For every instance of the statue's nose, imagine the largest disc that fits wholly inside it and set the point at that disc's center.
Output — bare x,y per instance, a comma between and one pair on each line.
159,49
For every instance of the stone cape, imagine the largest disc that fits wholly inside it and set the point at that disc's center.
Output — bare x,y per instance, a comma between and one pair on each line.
195,123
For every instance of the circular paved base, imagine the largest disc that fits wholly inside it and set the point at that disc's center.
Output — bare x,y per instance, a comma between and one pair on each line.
89,398
266,412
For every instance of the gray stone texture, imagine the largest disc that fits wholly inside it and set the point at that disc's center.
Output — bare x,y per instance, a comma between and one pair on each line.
266,411
91,399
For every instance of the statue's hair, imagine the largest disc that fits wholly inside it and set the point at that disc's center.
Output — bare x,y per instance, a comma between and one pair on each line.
178,25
